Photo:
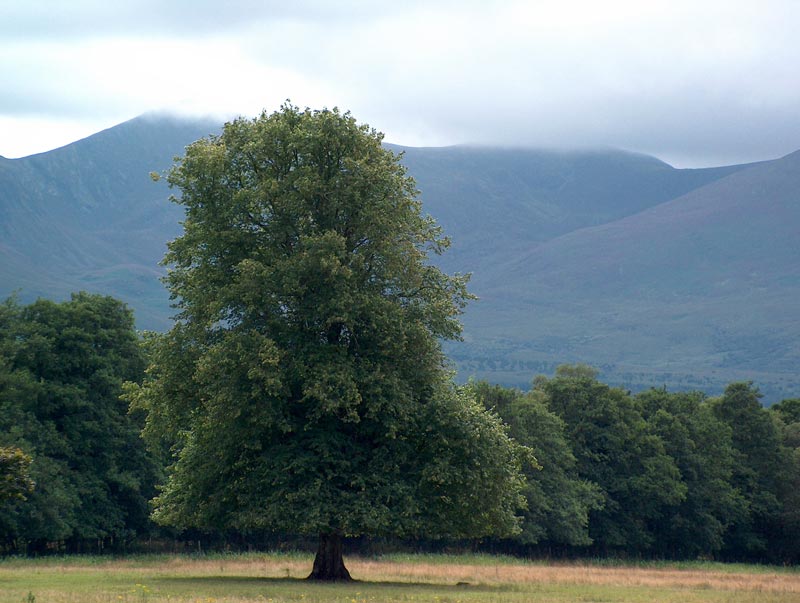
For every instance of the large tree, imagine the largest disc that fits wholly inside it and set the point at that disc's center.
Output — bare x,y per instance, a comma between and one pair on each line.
303,388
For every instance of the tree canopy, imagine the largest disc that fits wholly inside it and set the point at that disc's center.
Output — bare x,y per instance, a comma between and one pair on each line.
62,366
303,388
617,451
701,447
15,480
759,467
558,500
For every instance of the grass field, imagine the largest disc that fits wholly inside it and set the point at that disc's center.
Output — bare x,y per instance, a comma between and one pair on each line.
278,578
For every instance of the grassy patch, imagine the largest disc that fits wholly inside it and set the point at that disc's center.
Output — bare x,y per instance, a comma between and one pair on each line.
278,578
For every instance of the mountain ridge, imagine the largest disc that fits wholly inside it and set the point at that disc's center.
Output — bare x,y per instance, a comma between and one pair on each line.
560,244
706,270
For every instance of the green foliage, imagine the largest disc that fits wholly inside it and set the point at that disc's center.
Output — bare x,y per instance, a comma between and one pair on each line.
702,449
757,473
470,470
558,500
789,410
303,388
788,537
61,371
677,475
616,451
15,481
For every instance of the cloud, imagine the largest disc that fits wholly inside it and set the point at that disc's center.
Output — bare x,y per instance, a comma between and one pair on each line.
691,82
78,19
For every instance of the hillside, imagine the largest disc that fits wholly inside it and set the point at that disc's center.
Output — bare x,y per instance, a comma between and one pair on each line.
699,290
495,202
88,216
657,275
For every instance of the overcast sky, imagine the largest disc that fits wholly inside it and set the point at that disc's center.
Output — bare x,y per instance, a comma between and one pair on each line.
696,83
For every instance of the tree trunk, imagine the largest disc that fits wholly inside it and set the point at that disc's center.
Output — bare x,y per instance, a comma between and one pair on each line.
328,564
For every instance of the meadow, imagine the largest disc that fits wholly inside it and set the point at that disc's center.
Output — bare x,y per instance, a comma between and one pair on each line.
279,578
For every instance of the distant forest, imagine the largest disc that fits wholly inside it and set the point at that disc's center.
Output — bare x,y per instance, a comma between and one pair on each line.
658,474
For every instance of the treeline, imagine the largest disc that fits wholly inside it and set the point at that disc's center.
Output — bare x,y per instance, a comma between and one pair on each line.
62,366
656,474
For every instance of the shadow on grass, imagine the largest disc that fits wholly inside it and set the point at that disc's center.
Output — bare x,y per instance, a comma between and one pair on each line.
248,581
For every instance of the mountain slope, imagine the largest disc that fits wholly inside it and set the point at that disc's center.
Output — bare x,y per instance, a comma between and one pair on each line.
656,275
702,289
495,202
88,216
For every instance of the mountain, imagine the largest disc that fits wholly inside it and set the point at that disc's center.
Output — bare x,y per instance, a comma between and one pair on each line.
654,274
88,216
494,203
699,290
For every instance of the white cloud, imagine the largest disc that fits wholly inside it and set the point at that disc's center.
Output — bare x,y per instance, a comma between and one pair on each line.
31,135
693,81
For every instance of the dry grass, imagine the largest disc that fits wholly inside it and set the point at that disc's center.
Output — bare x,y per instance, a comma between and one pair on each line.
780,582
277,579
